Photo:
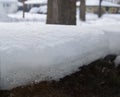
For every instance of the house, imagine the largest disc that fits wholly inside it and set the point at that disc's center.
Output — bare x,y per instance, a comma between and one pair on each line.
34,3
92,6
8,6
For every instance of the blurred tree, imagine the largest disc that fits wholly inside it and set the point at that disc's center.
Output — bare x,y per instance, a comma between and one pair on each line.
61,12
100,9
82,10
23,1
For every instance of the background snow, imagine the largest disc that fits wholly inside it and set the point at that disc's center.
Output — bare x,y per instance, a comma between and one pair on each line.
28,17
117,60
34,10
96,3
36,2
40,10
90,18
5,18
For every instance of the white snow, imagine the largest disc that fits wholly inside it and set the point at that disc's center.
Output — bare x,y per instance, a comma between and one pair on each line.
35,52
29,17
20,4
36,2
90,18
34,10
41,9
117,61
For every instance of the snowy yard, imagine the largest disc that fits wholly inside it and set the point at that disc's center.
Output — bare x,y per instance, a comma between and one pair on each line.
91,18
29,17
33,51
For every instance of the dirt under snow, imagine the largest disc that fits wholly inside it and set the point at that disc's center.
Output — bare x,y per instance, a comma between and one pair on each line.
100,78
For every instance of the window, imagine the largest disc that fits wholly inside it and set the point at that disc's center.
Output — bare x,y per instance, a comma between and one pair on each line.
6,4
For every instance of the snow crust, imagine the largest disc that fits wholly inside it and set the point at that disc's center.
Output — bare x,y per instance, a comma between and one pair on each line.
34,52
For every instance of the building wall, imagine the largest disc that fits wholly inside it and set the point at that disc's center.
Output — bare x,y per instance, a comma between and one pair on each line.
10,7
1,8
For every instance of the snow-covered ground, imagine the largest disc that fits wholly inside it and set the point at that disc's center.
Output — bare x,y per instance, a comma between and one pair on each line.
105,19
33,51
28,17
5,18
90,18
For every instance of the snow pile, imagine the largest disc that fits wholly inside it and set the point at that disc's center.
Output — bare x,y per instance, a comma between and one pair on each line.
34,10
29,17
43,52
5,18
41,10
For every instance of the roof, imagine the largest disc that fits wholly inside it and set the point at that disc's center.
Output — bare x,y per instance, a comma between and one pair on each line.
36,2
96,3
8,0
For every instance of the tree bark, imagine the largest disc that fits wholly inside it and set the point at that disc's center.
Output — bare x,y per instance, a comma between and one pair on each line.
23,2
61,12
82,10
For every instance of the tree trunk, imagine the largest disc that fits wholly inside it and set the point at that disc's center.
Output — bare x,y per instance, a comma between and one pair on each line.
82,10
23,8
61,12
100,9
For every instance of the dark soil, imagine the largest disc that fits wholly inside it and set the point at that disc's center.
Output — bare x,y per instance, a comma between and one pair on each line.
100,78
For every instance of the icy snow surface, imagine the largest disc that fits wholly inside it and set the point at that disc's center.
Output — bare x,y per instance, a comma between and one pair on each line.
35,52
